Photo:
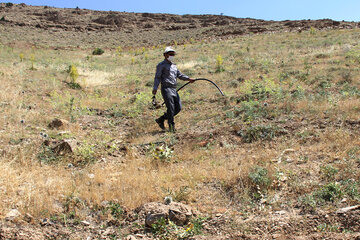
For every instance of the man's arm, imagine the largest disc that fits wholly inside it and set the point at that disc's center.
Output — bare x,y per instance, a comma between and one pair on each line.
184,77
157,78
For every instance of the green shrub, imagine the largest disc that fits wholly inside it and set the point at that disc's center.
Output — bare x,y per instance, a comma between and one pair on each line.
115,210
98,51
259,176
329,193
260,132
167,230
259,181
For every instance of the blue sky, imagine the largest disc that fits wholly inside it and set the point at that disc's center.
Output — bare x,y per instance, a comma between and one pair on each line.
348,10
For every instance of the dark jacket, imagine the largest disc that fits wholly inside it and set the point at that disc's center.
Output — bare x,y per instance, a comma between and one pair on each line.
166,74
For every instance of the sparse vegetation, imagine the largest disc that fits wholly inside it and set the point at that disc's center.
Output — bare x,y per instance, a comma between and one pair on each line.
284,138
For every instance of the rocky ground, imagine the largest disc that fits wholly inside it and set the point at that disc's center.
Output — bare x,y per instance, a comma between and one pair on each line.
57,27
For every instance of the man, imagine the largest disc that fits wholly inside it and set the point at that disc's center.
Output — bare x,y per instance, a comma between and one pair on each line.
166,74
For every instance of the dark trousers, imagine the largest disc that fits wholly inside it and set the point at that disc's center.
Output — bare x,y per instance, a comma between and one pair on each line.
172,102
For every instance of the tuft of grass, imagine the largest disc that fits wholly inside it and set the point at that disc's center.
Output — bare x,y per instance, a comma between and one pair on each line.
98,51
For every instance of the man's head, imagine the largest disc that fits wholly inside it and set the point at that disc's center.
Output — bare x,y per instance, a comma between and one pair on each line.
169,53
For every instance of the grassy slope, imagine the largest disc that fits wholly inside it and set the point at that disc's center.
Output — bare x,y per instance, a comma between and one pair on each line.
297,91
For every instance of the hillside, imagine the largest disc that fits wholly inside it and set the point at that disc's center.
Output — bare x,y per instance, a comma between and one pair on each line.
81,157
83,28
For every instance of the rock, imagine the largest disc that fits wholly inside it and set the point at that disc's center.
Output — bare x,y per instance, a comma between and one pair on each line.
178,213
152,218
58,123
12,215
28,218
64,147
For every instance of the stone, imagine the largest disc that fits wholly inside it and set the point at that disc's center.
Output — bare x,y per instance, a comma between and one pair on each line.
176,212
58,123
64,147
12,215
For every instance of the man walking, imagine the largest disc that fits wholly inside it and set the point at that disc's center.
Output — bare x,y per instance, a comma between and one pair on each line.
166,74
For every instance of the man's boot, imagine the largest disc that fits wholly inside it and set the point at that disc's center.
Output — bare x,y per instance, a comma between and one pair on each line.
160,121
172,128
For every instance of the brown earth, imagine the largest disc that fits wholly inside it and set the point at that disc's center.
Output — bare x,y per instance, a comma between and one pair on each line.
57,27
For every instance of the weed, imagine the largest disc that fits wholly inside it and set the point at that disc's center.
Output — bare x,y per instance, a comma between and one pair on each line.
329,193
167,230
328,228
98,51
308,203
32,60
259,177
219,64
87,152
260,132
180,195
260,182
71,109
47,155
312,31
21,56
252,110
119,51
73,73
351,189
328,172
115,210
162,153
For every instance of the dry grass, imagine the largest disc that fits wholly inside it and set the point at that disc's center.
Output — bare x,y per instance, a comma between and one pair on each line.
209,157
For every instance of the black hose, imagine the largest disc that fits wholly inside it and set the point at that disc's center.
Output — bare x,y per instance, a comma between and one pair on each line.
203,79
200,79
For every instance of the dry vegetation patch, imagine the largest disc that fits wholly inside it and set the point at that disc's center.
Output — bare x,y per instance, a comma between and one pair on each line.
283,143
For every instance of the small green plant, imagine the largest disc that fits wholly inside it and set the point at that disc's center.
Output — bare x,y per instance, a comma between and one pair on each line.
98,51
73,73
180,195
162,153
47,155
87,152
308,203
115,210
259,176
71,109
167,230
312,30
328,228
32,60
119,51
219,64
328,172
21,56
259,181
329,193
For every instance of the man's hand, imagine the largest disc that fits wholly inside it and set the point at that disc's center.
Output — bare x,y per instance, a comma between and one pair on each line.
191,80
154,92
